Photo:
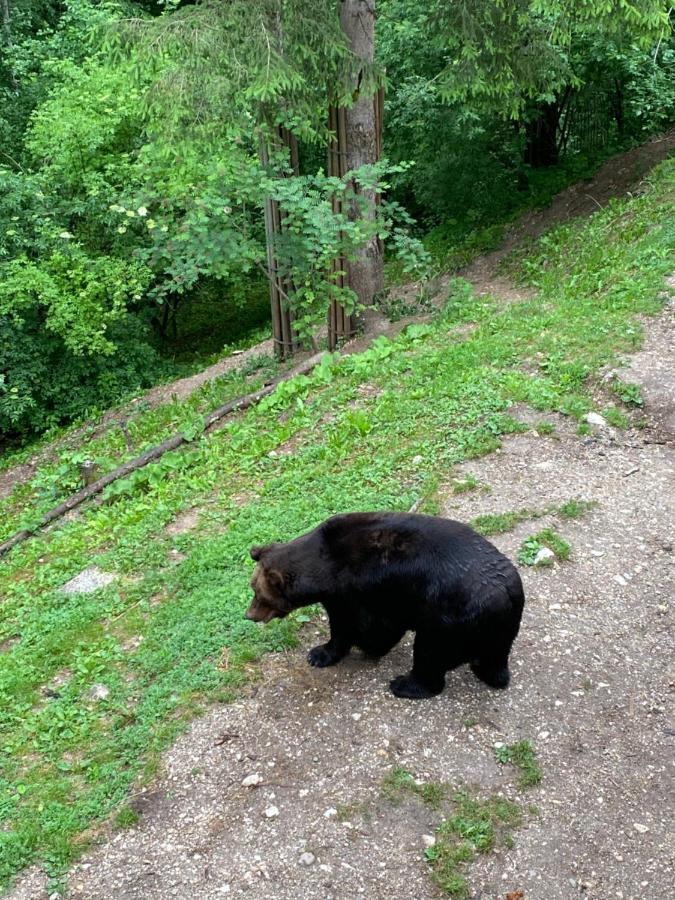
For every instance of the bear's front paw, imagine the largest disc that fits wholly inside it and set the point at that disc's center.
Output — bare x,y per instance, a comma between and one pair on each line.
411,689
322,656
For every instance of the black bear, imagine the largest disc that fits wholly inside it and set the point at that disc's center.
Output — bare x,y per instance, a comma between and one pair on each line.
381,574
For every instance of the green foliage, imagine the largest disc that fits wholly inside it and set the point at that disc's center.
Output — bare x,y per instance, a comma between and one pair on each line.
469,483
132,196
629,394
546,538
500,522
575,509
486,40
476,826
616,417
521,755
470,84
127,817
399,782
267,61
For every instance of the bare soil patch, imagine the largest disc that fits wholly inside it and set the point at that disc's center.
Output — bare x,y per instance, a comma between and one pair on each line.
619,176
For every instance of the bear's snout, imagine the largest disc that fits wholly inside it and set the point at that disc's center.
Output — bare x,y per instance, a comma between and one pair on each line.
261,612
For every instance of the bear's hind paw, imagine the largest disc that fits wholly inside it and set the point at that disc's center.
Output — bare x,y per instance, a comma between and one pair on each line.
409,688
494,676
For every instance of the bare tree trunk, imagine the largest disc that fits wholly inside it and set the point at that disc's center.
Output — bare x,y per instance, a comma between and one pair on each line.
362,144
281,289
7,35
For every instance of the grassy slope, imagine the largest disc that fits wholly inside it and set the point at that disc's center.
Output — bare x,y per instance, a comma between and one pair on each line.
67,761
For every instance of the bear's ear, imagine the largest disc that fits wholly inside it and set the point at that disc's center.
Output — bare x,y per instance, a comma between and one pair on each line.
258,551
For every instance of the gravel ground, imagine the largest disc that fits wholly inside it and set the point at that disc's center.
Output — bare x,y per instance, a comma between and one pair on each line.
592,690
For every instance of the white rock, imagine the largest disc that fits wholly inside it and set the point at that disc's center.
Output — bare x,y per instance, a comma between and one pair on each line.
544,734
272,812
428,840
330,812
98,692
620,580
307,859
595,419
88,581
544,556
356,716
252,780
417,460
639,827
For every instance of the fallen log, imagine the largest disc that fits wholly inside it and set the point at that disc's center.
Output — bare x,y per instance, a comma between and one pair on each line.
154,453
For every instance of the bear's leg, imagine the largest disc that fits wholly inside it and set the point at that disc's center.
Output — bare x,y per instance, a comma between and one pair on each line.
339,645
381,643
430,663
492,665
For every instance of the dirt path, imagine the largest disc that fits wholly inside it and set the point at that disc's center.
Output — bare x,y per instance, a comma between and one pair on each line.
619,176
592,690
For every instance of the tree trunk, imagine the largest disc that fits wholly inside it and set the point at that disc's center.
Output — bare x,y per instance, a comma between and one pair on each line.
361,147
7,35
281,290
617,106
542,137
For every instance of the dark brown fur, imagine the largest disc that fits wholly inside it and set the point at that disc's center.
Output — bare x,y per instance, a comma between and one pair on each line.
379,575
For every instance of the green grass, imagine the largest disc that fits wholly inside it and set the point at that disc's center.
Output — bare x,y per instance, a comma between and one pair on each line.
66,762
630,394
476,826
521,755
499,523
399,783
576,509
464,485
455,243
616,417
470,825
546,538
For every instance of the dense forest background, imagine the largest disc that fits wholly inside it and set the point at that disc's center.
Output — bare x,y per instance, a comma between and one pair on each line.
133,191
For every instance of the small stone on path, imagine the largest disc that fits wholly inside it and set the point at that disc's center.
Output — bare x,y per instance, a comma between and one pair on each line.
595,419
307,859
252,780
88,581
544,557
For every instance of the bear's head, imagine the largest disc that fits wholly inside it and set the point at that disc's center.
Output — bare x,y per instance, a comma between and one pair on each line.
269,585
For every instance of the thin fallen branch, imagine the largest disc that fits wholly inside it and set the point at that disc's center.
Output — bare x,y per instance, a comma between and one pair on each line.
154,453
